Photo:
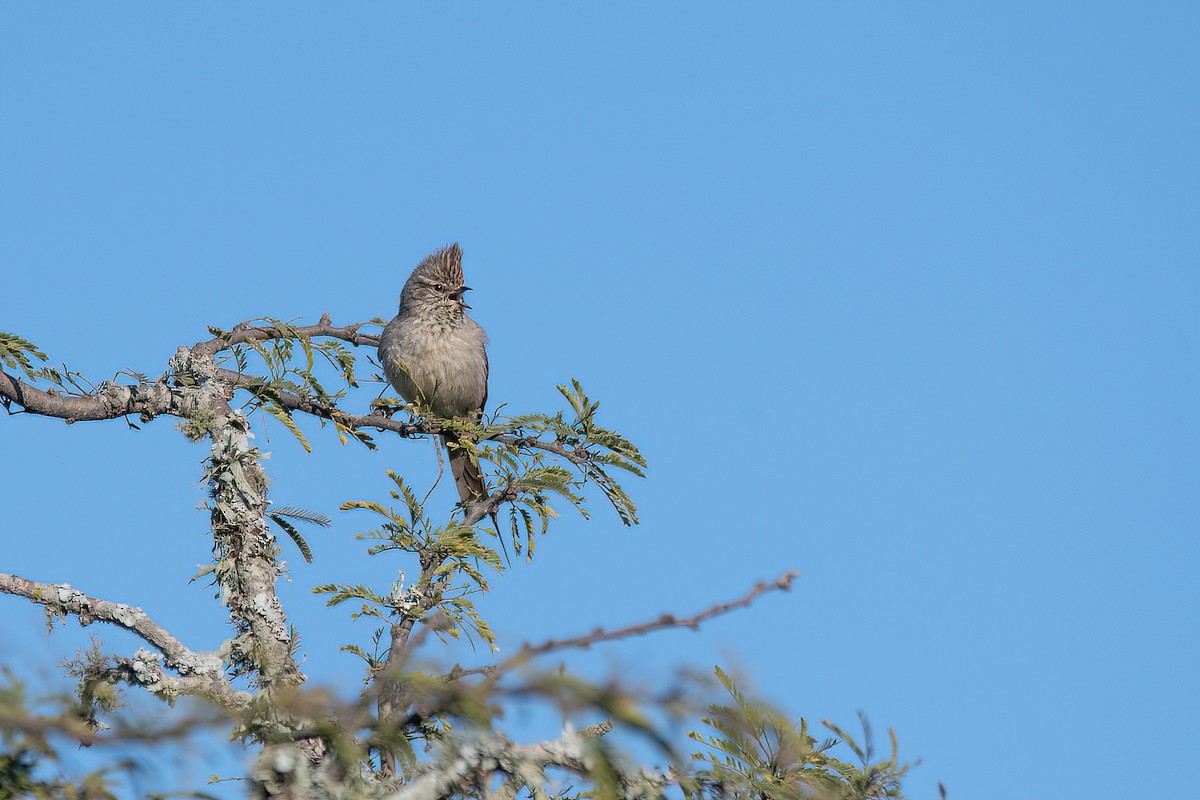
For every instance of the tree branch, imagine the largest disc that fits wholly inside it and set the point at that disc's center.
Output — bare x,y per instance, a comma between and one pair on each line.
243,333
429,427
63,600
782,583
200,673
145,671
109,401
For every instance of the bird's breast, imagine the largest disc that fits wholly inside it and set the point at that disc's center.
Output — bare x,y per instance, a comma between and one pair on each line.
441,366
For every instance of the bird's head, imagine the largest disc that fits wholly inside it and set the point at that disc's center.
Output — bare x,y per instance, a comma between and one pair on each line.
436,285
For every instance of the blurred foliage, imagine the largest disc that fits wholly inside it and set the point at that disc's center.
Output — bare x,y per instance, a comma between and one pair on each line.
755,751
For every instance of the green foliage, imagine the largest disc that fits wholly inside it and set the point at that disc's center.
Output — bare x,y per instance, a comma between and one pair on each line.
291,366
450,558
15,353
279,517
534,456
591,449
18,353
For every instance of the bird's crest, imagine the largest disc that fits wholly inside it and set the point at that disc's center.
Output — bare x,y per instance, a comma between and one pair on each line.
443,267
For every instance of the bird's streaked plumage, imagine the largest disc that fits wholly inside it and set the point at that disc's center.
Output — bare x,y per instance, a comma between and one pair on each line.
434,355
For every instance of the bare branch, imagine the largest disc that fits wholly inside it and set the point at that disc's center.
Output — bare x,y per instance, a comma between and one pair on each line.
782,583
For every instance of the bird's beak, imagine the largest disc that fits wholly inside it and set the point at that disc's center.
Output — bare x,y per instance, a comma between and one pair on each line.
461,301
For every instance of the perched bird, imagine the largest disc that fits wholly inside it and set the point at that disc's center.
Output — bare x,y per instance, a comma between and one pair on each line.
434,355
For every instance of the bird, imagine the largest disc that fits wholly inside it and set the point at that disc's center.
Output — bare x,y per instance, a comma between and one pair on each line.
435,355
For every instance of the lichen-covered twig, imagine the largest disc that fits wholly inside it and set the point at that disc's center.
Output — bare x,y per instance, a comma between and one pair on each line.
198,673
109,401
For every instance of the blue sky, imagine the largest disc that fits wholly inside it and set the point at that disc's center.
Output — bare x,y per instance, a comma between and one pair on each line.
902,295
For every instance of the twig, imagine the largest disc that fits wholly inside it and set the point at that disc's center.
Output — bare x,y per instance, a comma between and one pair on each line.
243,334
381,422
782,583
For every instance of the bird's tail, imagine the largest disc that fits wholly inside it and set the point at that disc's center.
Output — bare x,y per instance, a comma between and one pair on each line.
467,477
469,481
